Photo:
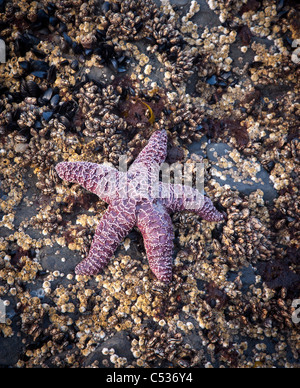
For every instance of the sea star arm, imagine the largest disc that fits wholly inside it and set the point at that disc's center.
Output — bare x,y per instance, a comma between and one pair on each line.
179,198
155,151
115,224
156,227
99,179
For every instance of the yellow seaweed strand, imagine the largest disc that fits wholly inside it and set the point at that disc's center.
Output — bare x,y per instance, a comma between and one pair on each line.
152,117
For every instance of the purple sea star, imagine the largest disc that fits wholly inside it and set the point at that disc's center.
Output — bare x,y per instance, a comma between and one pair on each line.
136,198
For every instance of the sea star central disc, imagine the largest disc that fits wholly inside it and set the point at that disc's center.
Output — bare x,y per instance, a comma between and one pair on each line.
136,198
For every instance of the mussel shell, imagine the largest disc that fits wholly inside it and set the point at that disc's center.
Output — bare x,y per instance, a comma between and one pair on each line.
51,7
62,28
3,25
67,39
226,75
98,51
212,80
38,65
139,26
53,20
37,68
280,5
47,95
54,101
30,89
42,20
47,115
131,91
39,53
16,114
16,97
122,69
31,39
114,63
65,121
24,43
221,83
39,74
164,47
100,35
65,62
3,89
77,48
122,59
115,7
105,7
51,74
2,6
38,125
42,17
150,39
74,64
88,52
25,65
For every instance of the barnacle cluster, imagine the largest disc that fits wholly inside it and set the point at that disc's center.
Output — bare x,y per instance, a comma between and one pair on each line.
90,81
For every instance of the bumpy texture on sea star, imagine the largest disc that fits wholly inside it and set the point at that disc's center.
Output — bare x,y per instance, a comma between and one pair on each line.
136,198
